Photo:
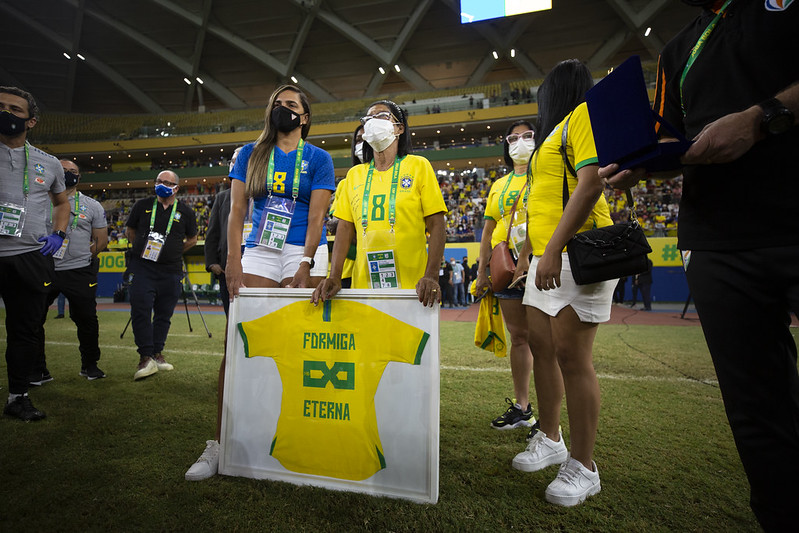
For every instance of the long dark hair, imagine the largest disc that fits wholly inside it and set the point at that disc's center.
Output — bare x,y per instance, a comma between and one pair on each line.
506,146
563,89
404,141
355,160
259,159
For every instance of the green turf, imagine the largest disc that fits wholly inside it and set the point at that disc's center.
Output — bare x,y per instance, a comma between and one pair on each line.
112,453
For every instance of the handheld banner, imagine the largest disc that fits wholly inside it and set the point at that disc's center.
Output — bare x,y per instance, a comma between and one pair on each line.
343,395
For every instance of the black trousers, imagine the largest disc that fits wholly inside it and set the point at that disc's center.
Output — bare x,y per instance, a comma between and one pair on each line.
744,300
153,297
79,285
25,280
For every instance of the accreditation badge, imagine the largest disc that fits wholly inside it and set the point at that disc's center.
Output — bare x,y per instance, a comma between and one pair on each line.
155,243
246,230
275,222
12,219
61,252
382,269
518,230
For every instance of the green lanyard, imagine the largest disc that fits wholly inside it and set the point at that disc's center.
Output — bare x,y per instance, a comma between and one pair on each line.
25,186
77,211
171,216
270,171
505,189
700,44
392,199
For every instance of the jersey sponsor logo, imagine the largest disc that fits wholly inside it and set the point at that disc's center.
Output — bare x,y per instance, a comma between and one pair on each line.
148,210
40,181
330,410
48,283
39,168
316,374
406,182
93,284
82,216
778,5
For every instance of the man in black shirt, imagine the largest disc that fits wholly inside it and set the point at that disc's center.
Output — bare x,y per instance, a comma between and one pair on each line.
161,229
730,82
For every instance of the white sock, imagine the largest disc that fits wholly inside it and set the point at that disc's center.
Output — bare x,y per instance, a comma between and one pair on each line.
12,397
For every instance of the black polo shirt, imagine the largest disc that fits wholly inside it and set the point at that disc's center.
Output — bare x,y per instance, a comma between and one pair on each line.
750,56
183,226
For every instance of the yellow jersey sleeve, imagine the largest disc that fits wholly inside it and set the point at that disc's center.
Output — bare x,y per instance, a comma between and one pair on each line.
500,202
331,359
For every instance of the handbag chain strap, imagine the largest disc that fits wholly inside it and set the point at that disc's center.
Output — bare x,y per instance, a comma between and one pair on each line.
568,166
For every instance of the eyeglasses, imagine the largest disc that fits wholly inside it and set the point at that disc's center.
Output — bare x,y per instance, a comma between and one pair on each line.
383,115
527,136
167,183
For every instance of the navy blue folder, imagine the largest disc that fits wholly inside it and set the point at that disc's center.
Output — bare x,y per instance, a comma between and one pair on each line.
624,123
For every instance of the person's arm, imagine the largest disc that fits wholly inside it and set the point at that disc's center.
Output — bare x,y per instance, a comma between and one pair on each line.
482,283
189,243
523,263
427,288
99,240
191,228
213,263
60,210
329,287
581,202
235,227
320,200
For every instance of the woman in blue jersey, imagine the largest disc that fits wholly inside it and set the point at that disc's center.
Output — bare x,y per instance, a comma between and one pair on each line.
290,182
499,214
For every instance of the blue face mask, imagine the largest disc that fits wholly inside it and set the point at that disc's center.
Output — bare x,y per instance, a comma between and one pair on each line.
163,191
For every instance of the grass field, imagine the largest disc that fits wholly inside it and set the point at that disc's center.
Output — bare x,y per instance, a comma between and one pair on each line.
112,453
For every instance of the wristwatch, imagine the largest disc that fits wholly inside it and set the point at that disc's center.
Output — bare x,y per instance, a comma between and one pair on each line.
308,260
777,118
60,234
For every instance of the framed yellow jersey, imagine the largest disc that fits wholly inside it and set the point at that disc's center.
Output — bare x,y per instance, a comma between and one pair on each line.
341,395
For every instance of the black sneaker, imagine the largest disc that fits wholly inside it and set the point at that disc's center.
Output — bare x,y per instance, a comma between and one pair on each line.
23,409
92,372
40,378
533,429
514,417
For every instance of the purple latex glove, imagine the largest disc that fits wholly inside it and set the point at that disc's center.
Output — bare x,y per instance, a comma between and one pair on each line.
51,244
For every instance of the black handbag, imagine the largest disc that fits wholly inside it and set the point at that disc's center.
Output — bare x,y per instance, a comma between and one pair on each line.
607,253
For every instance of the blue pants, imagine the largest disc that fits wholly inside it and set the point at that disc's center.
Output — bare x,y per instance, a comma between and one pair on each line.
153,297
460,294
62,303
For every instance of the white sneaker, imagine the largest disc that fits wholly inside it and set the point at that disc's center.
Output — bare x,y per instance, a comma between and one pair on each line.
145,368
161,363
541,452
573,484
207,465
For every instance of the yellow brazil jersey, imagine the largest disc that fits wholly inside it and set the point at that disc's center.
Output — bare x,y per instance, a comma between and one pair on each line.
418,196
545,203
331,359
500,204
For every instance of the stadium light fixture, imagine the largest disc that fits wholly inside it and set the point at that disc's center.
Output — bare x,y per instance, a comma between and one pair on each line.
382,70
80,56
67,55
647,32
495,54
187,80
513,52
396,67
294,79
199,80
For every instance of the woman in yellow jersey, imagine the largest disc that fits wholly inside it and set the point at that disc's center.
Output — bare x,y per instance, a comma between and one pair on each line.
562,317
512,188
390,202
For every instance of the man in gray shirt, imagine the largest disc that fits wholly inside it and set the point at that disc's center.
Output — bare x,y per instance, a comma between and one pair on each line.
76,276
30,180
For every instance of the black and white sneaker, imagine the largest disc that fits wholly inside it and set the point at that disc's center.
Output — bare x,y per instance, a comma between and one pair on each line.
514,417
92,372
40,378
22,408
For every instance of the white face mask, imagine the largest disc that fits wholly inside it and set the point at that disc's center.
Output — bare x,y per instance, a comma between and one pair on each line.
521,150
359,151
379,134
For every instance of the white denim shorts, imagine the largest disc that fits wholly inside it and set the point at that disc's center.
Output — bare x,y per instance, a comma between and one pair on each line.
278,265
592,302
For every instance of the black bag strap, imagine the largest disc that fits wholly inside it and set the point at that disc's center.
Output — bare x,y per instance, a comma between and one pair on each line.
568,166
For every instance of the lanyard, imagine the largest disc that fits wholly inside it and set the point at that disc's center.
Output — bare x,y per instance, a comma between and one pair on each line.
505,189
392,199
270,171
171,216
25,186
77,211
700,44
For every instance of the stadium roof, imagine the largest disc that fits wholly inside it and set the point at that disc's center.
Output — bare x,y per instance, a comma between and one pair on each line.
157,56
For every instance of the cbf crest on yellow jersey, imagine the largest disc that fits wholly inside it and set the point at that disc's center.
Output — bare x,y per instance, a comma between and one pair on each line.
331,359
417,196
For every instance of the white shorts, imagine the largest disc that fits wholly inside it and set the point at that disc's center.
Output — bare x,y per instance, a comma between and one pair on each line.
278,265
591,302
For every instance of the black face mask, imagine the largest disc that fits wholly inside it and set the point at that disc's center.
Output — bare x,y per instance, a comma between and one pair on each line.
11,125
70,179
284,119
